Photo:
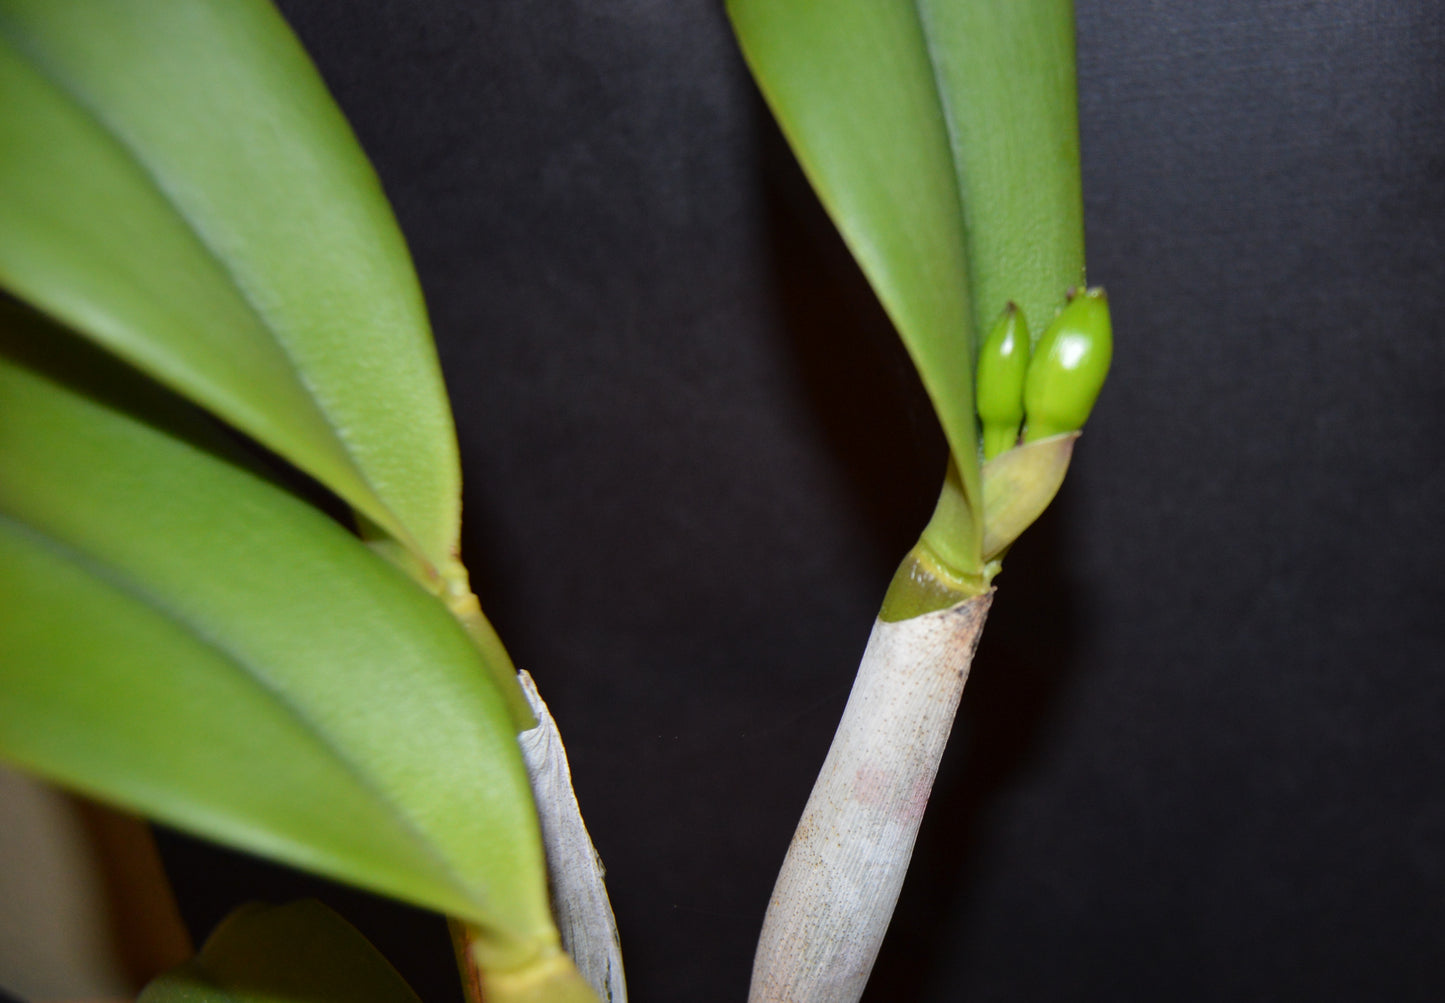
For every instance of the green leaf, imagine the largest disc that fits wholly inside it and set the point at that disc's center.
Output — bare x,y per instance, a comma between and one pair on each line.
853,89
1005,72
178,185
942,138
297,953
183,638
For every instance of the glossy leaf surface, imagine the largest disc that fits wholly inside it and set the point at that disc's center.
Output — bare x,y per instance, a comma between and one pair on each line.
187,640
297,953
178,186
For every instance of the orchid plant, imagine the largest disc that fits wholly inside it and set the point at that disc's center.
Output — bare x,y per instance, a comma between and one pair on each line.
232,596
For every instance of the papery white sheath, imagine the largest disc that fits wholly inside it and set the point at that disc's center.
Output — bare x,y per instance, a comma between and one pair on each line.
844,869
574,870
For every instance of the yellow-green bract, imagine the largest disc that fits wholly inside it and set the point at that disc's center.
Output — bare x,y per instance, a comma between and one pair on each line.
1068,368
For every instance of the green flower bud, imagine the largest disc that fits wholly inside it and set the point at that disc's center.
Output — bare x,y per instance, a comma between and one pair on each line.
1068,368
1003,362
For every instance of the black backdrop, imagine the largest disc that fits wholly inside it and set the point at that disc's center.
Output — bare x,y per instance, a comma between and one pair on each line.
1200,758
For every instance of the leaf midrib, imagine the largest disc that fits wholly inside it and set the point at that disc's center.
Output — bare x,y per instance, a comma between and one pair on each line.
60,82
133,589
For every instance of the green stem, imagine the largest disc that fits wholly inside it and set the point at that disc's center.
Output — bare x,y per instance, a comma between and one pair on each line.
942,569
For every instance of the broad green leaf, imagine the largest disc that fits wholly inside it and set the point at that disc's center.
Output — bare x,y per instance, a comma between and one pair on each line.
187,640
942,138
178,186
297,953
1005,72
852,87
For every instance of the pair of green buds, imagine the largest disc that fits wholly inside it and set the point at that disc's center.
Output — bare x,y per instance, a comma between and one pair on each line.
1054,387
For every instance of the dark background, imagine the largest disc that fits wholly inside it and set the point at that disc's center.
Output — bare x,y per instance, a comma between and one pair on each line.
1200,757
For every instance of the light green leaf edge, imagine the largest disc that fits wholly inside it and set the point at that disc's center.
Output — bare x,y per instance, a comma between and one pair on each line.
178,185
295,952
184,639
942,137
